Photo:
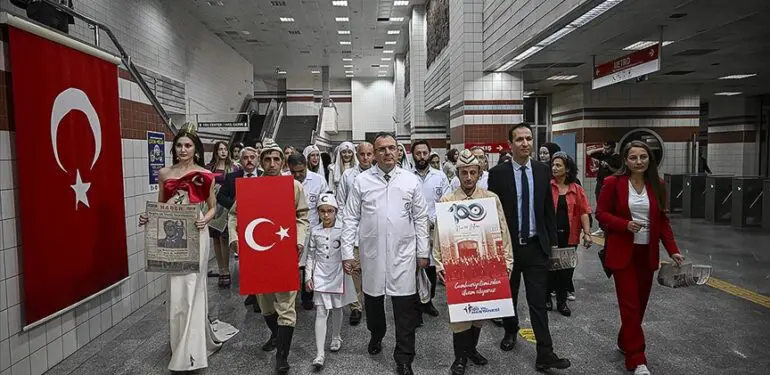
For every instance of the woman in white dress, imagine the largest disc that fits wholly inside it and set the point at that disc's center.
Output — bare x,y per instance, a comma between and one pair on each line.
313,155
333,288
192,337
344,159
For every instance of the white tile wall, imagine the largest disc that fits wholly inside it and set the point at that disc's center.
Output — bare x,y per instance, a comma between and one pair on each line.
39,349
371,106
170,41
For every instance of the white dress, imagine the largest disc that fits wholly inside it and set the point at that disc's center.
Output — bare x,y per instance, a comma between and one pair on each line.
192,337
332,287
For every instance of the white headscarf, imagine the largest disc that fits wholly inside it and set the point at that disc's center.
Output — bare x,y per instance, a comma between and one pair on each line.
309,150
338,169
406,162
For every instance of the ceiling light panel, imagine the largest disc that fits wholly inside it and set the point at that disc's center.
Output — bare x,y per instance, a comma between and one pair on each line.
315,71
739,76
390,42
642,44
344,42
348,72
387,51
385,59
400,3
396,19
347,59
343,32
728,93
561,77
340,3
348,65
342,19
287,19
394,32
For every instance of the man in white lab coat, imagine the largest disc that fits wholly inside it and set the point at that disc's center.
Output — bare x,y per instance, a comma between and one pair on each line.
365,156
434,186
387,211
314,186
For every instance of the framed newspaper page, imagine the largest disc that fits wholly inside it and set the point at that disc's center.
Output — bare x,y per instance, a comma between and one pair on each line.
172,241
474,260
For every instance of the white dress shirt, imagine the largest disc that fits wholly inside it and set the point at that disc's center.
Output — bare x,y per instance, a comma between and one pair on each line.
531,184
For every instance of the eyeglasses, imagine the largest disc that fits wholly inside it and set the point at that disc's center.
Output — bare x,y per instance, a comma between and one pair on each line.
381,150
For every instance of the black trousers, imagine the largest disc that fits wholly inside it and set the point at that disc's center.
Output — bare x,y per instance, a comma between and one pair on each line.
431,272
406,313
560,282
532,265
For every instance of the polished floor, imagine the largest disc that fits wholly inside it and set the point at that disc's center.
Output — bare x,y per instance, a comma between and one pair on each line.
711,329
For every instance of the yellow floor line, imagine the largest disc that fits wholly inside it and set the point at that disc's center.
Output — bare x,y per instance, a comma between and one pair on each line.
724,286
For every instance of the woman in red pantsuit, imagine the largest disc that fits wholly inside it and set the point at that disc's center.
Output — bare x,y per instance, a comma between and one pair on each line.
632,212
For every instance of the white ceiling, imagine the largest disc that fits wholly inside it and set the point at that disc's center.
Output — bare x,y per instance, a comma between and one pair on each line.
736,31
309,42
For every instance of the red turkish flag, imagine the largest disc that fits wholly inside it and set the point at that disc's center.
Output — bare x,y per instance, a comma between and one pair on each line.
267,234
73,226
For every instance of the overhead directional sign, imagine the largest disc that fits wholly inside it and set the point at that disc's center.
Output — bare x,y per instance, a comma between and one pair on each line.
489,147
224,126
633,65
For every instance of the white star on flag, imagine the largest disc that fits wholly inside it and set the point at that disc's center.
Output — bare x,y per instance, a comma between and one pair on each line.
81,190
283,233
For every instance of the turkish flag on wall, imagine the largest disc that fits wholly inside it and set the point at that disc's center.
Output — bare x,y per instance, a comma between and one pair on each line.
267,234
69,165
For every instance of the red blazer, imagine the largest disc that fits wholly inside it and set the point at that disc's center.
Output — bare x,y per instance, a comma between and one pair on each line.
613,215
577,206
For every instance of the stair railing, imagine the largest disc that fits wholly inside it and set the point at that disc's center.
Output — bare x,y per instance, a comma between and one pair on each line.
124,57
278,118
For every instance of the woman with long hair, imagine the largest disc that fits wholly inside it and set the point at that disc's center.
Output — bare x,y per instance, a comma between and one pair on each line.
187,181
343,160
572,210
632,210
221,164
235,152
404,161
313,157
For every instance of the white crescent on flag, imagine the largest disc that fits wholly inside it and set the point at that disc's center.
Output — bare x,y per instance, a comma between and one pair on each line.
73,99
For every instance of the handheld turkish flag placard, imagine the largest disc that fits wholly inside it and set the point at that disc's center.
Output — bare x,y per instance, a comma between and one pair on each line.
68,145
267,235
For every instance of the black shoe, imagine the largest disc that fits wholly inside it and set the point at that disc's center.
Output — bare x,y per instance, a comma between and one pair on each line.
307,304
461,342
550,361
375,346
250,300
404,369
429,309
549,304
458,366
355,317
508,342
212,274
563,309
285,334
473,354
256,308
272,325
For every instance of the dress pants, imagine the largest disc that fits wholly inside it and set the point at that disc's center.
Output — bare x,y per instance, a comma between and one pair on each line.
281,303
530,261
406,313
432,276
560,281
632,286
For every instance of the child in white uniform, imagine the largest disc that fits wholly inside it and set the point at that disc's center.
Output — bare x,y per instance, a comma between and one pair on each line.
325,275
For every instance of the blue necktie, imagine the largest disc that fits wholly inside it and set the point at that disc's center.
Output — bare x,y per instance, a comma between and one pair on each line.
524,233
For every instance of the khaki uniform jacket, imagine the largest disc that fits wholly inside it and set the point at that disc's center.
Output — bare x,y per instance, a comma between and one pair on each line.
459,195
300,203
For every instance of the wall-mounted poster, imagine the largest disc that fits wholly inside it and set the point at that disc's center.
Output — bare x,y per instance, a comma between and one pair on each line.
592,165
156,156
474,260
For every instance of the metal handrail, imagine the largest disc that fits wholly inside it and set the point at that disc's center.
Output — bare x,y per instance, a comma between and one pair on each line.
278,119
124,57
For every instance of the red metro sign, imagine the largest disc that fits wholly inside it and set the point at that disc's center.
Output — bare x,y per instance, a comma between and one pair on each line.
633,65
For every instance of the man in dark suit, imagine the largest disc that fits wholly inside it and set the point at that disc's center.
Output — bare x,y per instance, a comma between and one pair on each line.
524,188
226,195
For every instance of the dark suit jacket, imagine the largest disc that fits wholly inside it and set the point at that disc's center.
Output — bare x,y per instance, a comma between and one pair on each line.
501,183
226,195
613,215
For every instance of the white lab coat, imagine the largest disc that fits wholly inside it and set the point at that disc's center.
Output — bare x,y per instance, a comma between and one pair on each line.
391,221
314,186
482,182
343,190
434,186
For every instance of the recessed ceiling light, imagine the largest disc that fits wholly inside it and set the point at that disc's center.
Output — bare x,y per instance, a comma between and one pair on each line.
348,65
561,77
344,42
281,72
394,32
348,72
391,42
342,19
400,3
349,75
382,72
340,3
245,32
287,19
728,93
396,19
343,32
738,76
642,44
347,59
315,71
383,65
528,93
387,51
385,59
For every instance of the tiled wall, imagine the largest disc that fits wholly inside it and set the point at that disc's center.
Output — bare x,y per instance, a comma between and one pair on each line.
372,106
437,81
732,135
509,24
